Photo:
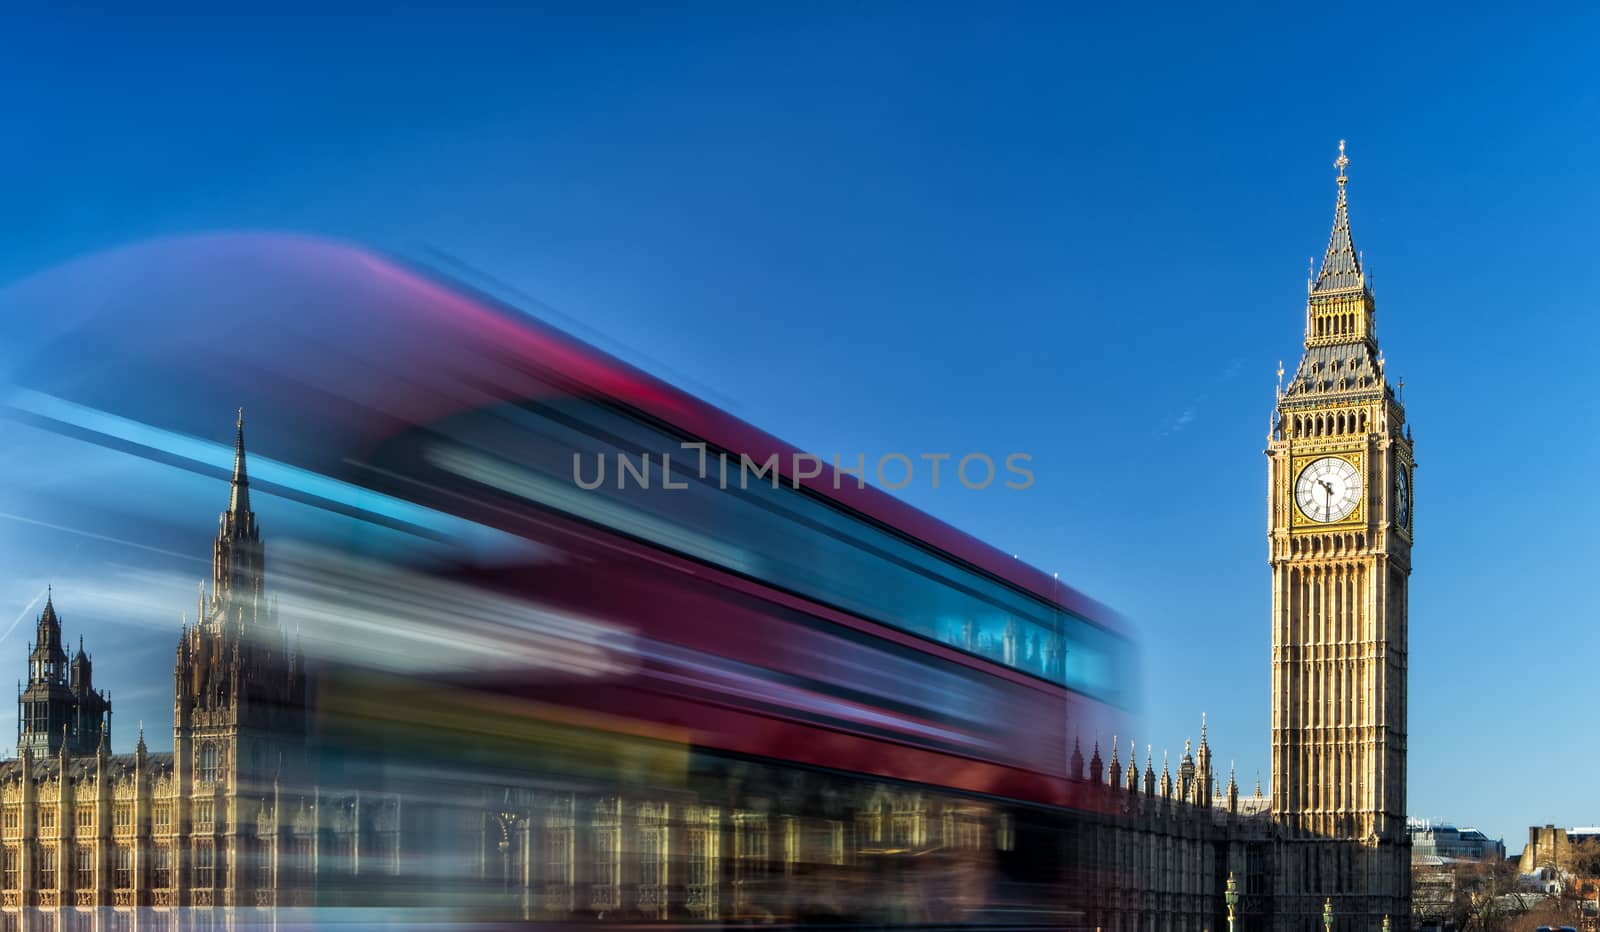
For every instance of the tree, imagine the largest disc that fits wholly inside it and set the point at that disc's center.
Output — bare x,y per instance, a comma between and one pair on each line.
1488,898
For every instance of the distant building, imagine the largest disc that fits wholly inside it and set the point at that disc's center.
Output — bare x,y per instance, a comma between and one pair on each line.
1549,846
1442,840
1433,891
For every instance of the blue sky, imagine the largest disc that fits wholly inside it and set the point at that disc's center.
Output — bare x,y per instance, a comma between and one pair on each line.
1080,234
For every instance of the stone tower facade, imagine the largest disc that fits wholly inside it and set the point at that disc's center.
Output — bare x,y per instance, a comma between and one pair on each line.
239,701
1340,469
59,706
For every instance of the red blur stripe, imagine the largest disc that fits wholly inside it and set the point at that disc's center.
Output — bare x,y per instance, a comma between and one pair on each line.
538,345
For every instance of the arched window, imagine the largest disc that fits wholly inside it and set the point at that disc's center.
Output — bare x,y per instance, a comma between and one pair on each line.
208,763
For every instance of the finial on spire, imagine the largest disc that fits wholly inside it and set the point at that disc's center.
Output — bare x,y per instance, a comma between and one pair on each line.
1340,163
240,423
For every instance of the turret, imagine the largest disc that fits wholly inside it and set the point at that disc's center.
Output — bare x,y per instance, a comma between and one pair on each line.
1186,781
47,662
58,706
82,671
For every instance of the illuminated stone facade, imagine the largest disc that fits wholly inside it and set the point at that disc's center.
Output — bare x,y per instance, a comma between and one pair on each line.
1340,506
88,837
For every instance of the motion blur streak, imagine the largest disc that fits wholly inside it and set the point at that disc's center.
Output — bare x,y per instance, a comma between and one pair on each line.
567,497
308,485
445,685
350,611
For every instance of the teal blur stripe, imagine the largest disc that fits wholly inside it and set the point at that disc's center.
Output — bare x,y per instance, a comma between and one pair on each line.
310,484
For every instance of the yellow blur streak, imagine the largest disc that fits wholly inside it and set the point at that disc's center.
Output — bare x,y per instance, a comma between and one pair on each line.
457,726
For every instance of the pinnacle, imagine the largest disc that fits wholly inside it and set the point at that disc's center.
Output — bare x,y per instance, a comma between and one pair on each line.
1341,264
239,501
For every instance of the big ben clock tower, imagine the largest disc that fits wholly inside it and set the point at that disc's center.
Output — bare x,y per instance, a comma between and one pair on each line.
1339,500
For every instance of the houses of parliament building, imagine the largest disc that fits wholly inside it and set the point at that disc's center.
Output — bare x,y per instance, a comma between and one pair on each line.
261,806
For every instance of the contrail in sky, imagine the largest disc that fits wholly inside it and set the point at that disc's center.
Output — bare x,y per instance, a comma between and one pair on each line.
25,610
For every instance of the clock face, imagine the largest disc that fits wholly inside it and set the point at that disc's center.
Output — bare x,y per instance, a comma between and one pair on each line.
1402,497
1328,490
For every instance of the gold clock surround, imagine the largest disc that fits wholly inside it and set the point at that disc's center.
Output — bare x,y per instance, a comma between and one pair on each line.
1299,521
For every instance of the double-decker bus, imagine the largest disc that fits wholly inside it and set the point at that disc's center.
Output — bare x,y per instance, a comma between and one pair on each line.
596,649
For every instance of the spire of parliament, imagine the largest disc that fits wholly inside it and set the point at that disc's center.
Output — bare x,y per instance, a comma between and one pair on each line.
239,501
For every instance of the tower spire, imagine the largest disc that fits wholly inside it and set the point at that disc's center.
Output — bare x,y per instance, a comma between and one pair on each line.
236,559
1341,264
239,501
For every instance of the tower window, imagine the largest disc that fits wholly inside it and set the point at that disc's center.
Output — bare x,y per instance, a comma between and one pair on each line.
208,763
47,868
204,862
122,872
83,867
161,868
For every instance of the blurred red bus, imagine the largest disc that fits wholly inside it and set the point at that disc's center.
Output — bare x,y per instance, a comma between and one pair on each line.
696,696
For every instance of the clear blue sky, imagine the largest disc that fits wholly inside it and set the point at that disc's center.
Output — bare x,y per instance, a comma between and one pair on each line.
1077,234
